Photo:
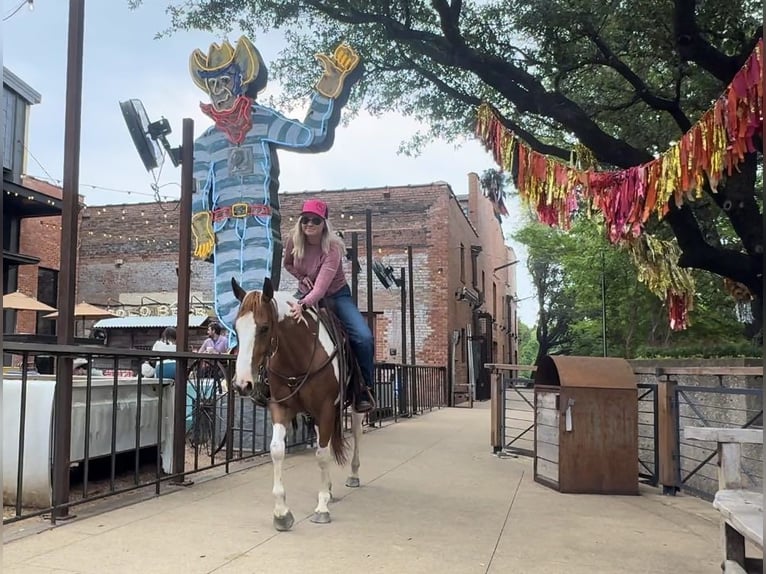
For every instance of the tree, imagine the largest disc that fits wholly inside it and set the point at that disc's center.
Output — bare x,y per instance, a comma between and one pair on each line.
555,301
527,344
636,322
623,78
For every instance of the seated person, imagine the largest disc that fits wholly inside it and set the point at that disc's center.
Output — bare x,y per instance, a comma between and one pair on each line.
167,369
215,342
80,367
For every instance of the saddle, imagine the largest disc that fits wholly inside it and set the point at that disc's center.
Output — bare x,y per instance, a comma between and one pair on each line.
350,374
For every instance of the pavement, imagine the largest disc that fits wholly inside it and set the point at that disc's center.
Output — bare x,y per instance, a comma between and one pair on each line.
433,498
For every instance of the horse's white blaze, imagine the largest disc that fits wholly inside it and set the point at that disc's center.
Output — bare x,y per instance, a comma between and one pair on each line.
246,328
278,435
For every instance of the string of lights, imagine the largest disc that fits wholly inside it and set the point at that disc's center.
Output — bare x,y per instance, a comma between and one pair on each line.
49,179
23,3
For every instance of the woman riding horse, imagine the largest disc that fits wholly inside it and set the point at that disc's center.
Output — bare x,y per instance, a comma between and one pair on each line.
314,256
305,374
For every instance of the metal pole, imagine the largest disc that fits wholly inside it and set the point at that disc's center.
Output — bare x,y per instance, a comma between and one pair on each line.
355,267
368,240
403,288
68,269
184,278
603,302
401,403
413,360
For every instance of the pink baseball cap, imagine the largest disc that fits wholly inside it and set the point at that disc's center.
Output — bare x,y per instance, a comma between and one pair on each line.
315,206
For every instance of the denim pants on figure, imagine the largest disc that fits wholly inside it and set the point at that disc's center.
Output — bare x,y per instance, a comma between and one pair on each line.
358,332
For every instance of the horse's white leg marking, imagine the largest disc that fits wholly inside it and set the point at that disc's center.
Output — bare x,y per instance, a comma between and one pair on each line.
245,327
323,459
277,457
329,478
356,432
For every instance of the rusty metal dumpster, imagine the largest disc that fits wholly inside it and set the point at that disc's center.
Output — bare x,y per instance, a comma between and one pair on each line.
586,425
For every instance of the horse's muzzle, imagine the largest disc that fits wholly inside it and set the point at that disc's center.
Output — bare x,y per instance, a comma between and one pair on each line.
244,387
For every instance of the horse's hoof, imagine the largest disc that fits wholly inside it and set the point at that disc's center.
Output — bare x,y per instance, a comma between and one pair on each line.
284,523
352,482
321,518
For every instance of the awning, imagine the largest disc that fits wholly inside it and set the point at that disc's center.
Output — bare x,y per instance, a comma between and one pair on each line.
19,259
25,202
195,321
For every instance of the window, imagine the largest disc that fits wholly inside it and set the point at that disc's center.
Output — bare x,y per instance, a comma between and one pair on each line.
475,250
483,287
462,263
9,111
10,232
463,346
494,300
47,292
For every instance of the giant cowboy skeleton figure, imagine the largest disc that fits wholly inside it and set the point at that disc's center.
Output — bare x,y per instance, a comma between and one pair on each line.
235,208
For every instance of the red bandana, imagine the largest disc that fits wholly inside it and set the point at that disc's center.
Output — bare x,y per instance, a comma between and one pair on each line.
234,122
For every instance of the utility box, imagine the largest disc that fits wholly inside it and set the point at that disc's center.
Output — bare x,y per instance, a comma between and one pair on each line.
586,425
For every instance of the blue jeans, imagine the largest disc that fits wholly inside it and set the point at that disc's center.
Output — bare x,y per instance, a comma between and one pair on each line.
358,332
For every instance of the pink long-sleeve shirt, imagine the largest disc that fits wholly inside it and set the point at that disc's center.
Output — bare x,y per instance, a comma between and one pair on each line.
325,270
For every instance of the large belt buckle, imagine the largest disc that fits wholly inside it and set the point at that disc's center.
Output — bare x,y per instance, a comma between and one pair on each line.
240,210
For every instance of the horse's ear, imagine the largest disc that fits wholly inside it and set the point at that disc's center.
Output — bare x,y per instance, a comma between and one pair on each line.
239,293
268,289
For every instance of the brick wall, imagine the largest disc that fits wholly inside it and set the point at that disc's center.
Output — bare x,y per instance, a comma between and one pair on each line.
38,237
129,250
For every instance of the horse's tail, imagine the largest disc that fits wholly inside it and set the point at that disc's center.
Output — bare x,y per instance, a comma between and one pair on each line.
338,438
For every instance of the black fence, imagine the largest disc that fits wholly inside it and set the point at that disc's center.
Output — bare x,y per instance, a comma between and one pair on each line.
124,432
722,407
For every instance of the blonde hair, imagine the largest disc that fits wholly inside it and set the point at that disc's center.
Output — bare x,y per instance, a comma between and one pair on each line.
329,240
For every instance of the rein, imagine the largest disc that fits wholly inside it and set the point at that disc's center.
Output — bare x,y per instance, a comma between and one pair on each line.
301,378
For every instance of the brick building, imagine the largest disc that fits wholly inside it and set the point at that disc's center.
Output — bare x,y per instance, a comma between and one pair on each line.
31,218
129,253
40,238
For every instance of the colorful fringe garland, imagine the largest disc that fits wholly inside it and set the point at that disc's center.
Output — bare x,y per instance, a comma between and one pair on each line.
715,145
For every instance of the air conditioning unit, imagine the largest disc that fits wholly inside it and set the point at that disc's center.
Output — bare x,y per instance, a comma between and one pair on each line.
470,295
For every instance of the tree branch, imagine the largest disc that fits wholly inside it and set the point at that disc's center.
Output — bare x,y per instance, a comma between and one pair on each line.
473,101
692,45
448,22
518,86
642,90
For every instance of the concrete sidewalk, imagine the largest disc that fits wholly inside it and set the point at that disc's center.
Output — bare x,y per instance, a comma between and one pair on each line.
432,499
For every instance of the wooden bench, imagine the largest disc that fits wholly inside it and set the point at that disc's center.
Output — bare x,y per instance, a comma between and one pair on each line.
741,510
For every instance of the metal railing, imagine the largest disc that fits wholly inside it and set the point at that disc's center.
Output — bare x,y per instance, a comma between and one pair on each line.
518,415
723,407
648,434
123,424
722,397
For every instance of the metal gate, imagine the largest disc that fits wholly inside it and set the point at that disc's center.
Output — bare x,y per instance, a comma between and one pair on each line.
518,415
648,433
719,406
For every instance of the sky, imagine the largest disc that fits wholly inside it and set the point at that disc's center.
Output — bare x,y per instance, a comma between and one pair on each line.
123,60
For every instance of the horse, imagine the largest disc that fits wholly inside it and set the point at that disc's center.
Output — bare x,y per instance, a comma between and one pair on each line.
304,376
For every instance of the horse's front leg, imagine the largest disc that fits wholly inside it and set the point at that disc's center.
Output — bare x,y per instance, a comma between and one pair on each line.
324,457
356,431
280,417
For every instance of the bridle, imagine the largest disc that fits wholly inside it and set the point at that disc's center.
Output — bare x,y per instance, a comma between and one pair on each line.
294,382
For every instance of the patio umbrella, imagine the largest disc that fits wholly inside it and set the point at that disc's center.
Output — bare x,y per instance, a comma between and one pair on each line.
86,311
21,302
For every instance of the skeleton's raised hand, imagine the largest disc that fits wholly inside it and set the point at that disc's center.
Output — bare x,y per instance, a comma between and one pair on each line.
336,68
